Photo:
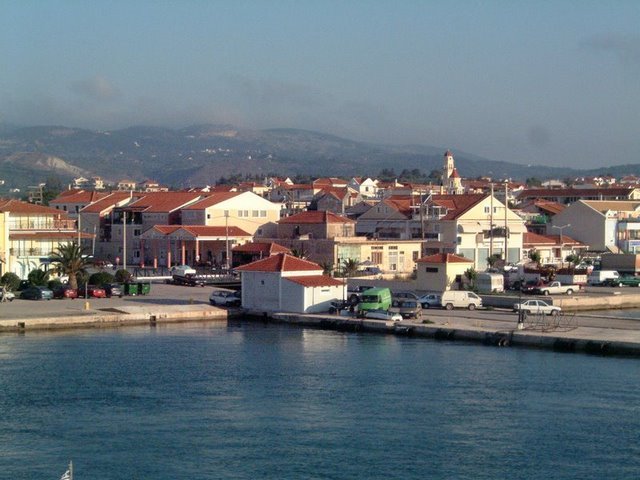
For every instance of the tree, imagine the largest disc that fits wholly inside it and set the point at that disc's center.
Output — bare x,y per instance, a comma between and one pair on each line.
299,252
123,276
11,281
327,267
100,278
535,256
38,277
349,267
68,259
493,259
471,275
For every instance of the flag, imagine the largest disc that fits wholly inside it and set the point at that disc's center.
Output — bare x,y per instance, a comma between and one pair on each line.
66,475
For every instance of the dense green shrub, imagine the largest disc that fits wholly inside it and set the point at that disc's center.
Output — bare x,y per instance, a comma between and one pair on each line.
11,281
123,276
55,283
101,278
38,277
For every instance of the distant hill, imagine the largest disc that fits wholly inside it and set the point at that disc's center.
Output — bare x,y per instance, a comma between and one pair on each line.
201,154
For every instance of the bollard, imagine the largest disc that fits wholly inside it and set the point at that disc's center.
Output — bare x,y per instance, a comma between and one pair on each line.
191,301
86,305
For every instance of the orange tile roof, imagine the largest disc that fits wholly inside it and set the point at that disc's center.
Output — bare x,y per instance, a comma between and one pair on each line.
316,281
18,206
79,196
265,247
531,239
314,217
281,262
444,258
161,202
212,199
457,205
401,203
107,202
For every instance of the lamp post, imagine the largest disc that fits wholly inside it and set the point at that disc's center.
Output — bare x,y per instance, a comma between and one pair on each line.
561,228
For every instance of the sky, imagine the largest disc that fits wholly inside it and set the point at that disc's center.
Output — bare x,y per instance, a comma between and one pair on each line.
534,82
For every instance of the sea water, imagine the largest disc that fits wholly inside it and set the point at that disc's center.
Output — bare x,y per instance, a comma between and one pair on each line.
254,401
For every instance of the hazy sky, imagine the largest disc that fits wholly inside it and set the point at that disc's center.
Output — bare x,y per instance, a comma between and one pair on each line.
538,82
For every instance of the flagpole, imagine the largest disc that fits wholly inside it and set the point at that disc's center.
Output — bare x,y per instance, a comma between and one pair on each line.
70,470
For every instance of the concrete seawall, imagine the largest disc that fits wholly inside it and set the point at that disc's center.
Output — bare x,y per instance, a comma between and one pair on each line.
601,341
123,316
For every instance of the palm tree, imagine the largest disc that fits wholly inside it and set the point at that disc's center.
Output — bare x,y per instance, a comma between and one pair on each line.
350,267
69,260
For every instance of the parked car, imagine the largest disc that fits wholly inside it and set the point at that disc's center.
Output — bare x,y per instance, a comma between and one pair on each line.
113,289
65,291
225,298
375,299
354,294
537,306
383,315
405,296
92,291
7,296
624,280
430,300
36,293
407,308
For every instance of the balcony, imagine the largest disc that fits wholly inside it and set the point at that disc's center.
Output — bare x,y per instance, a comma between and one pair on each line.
41,224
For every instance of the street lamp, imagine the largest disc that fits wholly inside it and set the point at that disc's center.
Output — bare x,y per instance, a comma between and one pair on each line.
561,228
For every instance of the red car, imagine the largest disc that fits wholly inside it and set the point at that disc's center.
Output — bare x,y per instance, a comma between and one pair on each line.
65,291
92,291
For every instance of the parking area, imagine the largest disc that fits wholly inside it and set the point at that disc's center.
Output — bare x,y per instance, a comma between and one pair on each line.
161,294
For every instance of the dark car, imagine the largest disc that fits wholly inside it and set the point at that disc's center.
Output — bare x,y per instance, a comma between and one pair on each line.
65,291
113,289
406,308
92,291
36,293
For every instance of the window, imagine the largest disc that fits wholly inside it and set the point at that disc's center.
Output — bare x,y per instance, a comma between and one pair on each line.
487,209
376,257
137,232
255,213
414,255
431,269
208,216
263,213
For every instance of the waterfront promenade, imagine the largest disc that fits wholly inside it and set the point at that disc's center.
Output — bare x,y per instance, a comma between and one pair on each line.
611,331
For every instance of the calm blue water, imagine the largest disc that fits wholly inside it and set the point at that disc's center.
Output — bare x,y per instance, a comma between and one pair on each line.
249,401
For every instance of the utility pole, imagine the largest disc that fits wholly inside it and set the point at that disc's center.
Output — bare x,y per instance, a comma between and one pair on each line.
226,227
124,241
491,224
506,222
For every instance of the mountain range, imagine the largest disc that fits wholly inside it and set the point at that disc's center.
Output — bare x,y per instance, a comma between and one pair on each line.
201,154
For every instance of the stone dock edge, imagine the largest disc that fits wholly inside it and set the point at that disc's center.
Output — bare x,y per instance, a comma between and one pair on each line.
566,341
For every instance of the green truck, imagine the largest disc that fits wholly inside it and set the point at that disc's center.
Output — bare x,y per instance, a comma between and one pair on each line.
375,299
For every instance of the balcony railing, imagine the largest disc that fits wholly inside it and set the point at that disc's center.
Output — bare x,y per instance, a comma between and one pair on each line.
41,224
29,252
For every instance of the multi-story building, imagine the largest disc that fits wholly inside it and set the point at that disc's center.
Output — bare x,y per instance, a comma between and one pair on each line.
31,232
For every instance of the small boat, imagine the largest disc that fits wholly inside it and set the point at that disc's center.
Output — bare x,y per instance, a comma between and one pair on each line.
68,475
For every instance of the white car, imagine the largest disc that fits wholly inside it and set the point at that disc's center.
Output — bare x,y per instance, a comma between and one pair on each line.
430,300
225,298
537,306
8,296
383,315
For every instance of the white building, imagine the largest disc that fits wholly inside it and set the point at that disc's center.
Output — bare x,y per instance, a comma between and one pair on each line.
284,283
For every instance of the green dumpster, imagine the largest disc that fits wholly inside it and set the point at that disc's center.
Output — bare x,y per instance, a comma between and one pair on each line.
144,288
131,289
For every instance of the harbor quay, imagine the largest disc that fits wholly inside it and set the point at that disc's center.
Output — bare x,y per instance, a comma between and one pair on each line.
610,333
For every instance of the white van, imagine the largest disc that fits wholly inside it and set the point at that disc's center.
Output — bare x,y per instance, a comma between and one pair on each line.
490,282
598,277
460,299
